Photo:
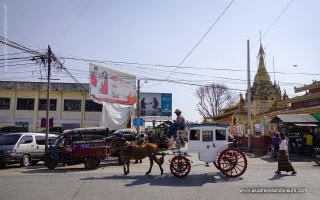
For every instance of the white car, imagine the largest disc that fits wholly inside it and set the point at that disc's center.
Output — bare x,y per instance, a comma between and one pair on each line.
23,148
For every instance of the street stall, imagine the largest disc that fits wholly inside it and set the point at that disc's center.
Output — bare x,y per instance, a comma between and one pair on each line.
301,129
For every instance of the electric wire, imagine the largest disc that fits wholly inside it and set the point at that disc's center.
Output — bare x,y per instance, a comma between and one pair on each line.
216,21
74,21
274,22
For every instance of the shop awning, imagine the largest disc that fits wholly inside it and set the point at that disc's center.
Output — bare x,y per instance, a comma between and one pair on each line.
297,118
306,125
317,116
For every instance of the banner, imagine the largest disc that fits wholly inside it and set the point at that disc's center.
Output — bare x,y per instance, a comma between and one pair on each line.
111,86
115,116
156,106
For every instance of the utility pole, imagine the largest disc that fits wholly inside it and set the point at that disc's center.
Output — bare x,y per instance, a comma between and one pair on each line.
138,106
249,127
48,97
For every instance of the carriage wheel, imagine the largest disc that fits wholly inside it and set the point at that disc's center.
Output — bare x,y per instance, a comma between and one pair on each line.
180,166
232,162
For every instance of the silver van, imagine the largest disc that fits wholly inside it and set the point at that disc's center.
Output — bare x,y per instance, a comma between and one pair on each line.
23,148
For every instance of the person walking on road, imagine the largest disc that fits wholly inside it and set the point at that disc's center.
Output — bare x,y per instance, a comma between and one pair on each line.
284,163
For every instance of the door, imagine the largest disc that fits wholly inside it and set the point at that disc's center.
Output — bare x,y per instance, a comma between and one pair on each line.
221,139
26,145
40,147
208,146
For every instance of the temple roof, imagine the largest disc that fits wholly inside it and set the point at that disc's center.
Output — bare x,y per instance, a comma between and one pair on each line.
263,88
313,85
261,51
305,97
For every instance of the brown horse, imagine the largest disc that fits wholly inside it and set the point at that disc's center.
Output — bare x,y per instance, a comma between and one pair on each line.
132,151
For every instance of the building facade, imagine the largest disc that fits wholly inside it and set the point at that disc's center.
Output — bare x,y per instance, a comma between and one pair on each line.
23,106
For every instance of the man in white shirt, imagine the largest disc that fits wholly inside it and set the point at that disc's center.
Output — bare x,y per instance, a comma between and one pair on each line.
180,121
178,124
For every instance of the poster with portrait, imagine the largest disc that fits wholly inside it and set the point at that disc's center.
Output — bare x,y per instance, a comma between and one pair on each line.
257,129
108,85
156,106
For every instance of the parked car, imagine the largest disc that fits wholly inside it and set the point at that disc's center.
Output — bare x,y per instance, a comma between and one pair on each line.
23,148
80,145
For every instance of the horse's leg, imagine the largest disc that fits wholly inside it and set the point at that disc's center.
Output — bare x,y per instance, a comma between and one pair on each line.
124,167
128,164
158,162
151,164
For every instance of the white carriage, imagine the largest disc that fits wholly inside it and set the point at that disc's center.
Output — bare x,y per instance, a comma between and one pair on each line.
211,142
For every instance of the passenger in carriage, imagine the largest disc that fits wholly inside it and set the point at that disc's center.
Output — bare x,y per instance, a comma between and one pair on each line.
193,135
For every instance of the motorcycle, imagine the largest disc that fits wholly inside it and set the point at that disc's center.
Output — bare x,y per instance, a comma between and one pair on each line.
273,150
238,145
316,155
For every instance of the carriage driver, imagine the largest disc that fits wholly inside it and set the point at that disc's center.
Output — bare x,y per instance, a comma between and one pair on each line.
178,124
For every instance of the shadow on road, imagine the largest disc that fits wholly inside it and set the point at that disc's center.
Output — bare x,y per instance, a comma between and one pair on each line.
192,180
278,177
67,169
293,157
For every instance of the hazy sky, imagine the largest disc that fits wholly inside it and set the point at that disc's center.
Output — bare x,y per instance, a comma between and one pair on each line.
163,33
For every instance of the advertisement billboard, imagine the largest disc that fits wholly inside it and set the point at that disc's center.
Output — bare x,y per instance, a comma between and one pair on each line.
156,106
111,86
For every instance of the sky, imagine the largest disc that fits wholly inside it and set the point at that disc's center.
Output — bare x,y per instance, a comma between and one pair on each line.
161,37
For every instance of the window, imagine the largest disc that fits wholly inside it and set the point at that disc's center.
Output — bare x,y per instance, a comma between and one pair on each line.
43,104
194,135
25,104
221,134
40,140
207,136
72,105
4,103
93,106
26,140
9,139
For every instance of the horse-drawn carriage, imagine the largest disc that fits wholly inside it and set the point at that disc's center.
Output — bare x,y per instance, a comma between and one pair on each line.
91,145
211,142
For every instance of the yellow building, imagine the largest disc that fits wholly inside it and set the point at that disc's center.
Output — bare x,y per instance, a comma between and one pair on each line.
23,106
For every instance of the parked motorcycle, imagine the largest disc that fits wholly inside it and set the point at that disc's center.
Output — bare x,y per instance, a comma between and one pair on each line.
273,150
316,155
238,145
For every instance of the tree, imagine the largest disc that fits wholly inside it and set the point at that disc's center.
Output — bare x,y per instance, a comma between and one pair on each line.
213,99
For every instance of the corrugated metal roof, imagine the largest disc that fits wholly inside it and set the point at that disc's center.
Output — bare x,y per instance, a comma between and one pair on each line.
42,86
297,118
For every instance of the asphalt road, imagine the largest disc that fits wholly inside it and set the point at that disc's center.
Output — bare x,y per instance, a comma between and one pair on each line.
108,182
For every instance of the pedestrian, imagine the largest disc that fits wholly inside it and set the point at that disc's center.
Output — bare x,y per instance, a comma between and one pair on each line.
284,163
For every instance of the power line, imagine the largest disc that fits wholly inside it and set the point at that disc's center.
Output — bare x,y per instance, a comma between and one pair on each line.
274,22
173,66
10,54
216,21
74,21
